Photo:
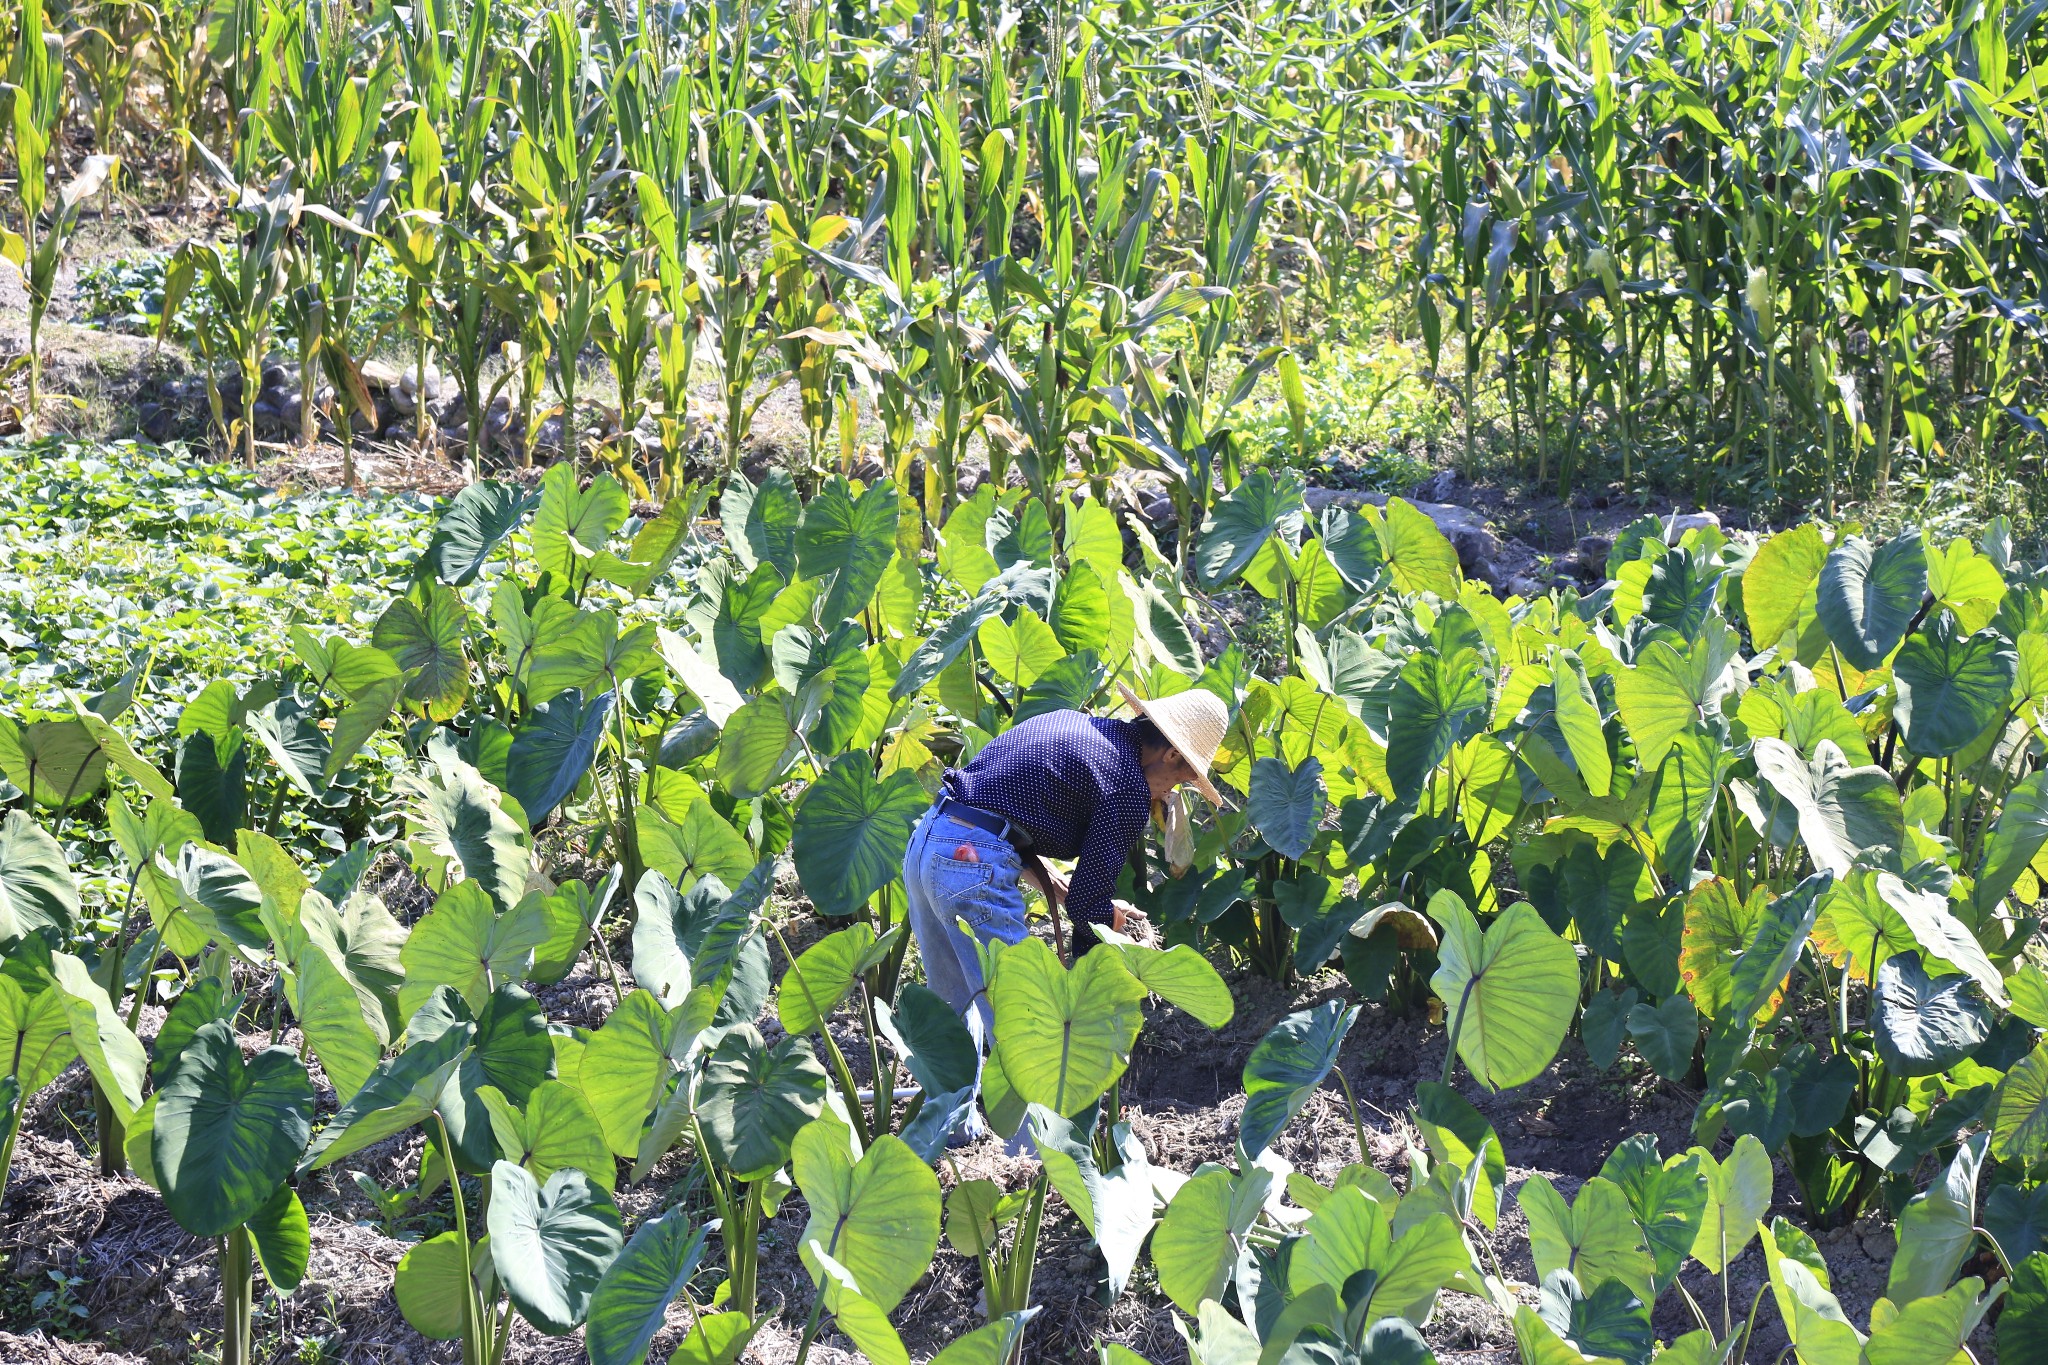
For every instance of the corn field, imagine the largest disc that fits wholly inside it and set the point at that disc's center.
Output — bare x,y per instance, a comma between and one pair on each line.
1786,254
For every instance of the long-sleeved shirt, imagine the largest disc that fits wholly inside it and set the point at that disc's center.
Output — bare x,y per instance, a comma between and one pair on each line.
1075,783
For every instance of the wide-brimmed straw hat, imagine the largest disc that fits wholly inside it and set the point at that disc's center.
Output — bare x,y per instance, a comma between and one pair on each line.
1192,722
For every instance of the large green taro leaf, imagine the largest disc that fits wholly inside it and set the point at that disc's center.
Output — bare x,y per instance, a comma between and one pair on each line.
111,1053
761,523
1668,1198
1509,993
460,818
1351,1233
1437,701
429,1288
425,633
1595,1238
36,887
1952,687
1196,1245
878,1217
1738,1195
463,943
1842,810
756,1098
59,762
586,516
2016,840
1063,1036
1922,1024
851,538
226,1134
1779,583
1285,1069
551,1244
552,750
1259,508
475,522
1938,1227
630,1305
1672,688
401,1092
851,831
1287,804
1867,595
824,975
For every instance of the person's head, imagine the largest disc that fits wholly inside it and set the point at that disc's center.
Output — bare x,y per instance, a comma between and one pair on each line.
1177,739
1165,766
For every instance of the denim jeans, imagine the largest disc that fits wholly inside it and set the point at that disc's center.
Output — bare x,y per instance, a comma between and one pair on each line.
944,888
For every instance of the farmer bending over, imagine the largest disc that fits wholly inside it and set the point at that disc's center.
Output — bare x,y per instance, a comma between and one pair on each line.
1063,784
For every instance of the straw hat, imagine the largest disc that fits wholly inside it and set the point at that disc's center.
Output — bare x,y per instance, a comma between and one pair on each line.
1192,722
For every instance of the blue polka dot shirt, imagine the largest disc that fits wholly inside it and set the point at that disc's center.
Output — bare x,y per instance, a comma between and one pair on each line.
1076,784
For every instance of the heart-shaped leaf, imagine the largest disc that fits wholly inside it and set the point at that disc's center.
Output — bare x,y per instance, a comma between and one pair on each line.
475,522
1509,992
1952,687
1595,1236
1867,595
552,750
851,831
1923,1024
1063,1036
227,1134
1842,811
1285,1069
878,1217
551,1244
36,887
755,1099
572,519
852,538
1738,1196
1287,804
630,1305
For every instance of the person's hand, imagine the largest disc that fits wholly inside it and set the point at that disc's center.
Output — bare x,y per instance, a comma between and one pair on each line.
1127,919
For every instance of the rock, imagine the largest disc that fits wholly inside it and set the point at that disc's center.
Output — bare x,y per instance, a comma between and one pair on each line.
1476,544
868,470
1157,509
155,421
275,376
1595,549
548,436
269,417
1520,585
1439,486
1881,1245
1693,521
409,383
377,375
400,400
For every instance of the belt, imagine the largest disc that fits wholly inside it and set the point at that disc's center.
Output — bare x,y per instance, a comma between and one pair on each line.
984,820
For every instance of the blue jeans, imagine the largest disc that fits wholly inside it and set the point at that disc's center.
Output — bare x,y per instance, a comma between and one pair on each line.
942,889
